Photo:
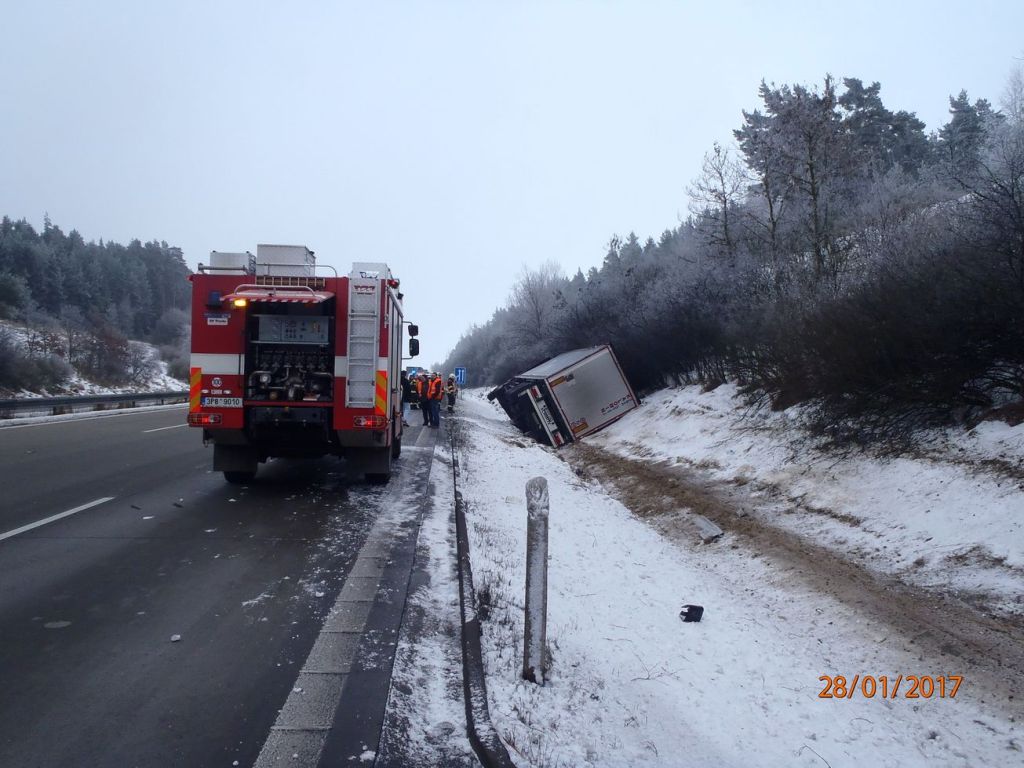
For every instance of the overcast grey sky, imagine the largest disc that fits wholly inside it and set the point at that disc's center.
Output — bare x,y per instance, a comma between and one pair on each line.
457,141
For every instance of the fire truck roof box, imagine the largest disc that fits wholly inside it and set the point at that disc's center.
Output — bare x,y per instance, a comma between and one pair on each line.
374,270
285,260
227,263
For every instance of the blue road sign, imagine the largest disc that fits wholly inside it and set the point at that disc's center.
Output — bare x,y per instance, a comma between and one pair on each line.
460,376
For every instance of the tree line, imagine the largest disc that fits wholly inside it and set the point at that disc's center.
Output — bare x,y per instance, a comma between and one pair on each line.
81,303
835,254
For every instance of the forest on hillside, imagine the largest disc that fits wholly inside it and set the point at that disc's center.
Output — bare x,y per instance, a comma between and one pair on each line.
81,303
835,254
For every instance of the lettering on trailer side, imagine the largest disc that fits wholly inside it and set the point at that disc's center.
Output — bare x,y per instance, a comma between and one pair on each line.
614,406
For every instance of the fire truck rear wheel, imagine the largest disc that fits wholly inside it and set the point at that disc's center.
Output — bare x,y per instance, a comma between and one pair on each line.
396,447
239,478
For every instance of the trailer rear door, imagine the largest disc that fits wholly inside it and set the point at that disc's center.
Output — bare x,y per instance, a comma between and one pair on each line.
592,393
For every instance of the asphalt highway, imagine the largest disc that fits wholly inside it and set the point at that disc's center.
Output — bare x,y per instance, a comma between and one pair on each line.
150,613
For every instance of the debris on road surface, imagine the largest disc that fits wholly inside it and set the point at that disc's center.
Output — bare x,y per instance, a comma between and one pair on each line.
175,638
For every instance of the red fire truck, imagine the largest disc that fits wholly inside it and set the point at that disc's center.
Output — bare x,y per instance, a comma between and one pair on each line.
289,363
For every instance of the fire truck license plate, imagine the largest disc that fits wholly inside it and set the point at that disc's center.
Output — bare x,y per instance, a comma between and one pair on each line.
221,402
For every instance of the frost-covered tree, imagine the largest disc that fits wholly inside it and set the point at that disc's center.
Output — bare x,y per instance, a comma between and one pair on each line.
715,196
532,303
883,138
961,140
765,215
1013,95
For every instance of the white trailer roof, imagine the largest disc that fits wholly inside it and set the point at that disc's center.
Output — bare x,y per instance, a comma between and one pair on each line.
559,363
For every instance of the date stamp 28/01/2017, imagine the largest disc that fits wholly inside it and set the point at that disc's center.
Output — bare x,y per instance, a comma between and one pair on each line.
890,687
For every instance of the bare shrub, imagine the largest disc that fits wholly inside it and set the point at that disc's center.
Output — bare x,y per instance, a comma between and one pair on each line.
21,369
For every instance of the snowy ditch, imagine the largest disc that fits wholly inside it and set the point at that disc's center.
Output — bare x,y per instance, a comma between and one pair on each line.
952,517
631,684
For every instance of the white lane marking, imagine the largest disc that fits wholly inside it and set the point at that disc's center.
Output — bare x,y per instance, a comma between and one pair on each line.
161,429
52,518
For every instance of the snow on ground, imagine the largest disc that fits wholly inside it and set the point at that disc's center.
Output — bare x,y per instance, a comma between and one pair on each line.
631,684
949,517
158,380
426,712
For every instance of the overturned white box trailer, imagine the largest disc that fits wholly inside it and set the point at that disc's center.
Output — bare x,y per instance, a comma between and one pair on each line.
569,396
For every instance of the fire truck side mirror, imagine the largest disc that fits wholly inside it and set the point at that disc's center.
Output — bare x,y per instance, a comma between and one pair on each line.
414,330
414,347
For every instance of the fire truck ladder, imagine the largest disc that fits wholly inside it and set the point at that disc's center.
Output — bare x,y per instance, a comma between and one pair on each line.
363,342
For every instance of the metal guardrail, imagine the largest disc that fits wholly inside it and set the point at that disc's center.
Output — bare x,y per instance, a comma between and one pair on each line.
59,405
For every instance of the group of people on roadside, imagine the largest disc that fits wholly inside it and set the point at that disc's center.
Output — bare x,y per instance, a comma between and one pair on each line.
428,390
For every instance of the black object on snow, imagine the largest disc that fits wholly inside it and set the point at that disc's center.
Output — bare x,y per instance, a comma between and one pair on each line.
691,612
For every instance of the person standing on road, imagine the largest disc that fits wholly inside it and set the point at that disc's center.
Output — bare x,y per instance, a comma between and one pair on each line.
435,393
407,393
421,394
451,389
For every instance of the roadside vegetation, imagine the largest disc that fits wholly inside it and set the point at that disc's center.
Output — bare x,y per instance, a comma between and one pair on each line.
67,306
835,255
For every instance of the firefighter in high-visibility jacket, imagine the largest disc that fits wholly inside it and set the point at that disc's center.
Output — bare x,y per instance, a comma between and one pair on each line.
451,389
435,394
421,394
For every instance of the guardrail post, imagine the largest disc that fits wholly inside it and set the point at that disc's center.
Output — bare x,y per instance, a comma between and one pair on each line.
535,661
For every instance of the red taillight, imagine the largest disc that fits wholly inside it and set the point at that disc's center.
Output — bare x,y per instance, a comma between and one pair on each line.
370,422
203,419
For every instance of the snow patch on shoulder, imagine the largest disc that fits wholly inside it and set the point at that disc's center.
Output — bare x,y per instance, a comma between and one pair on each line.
950,516
630,683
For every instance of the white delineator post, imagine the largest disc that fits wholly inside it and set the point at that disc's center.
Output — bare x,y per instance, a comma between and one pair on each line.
535,662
